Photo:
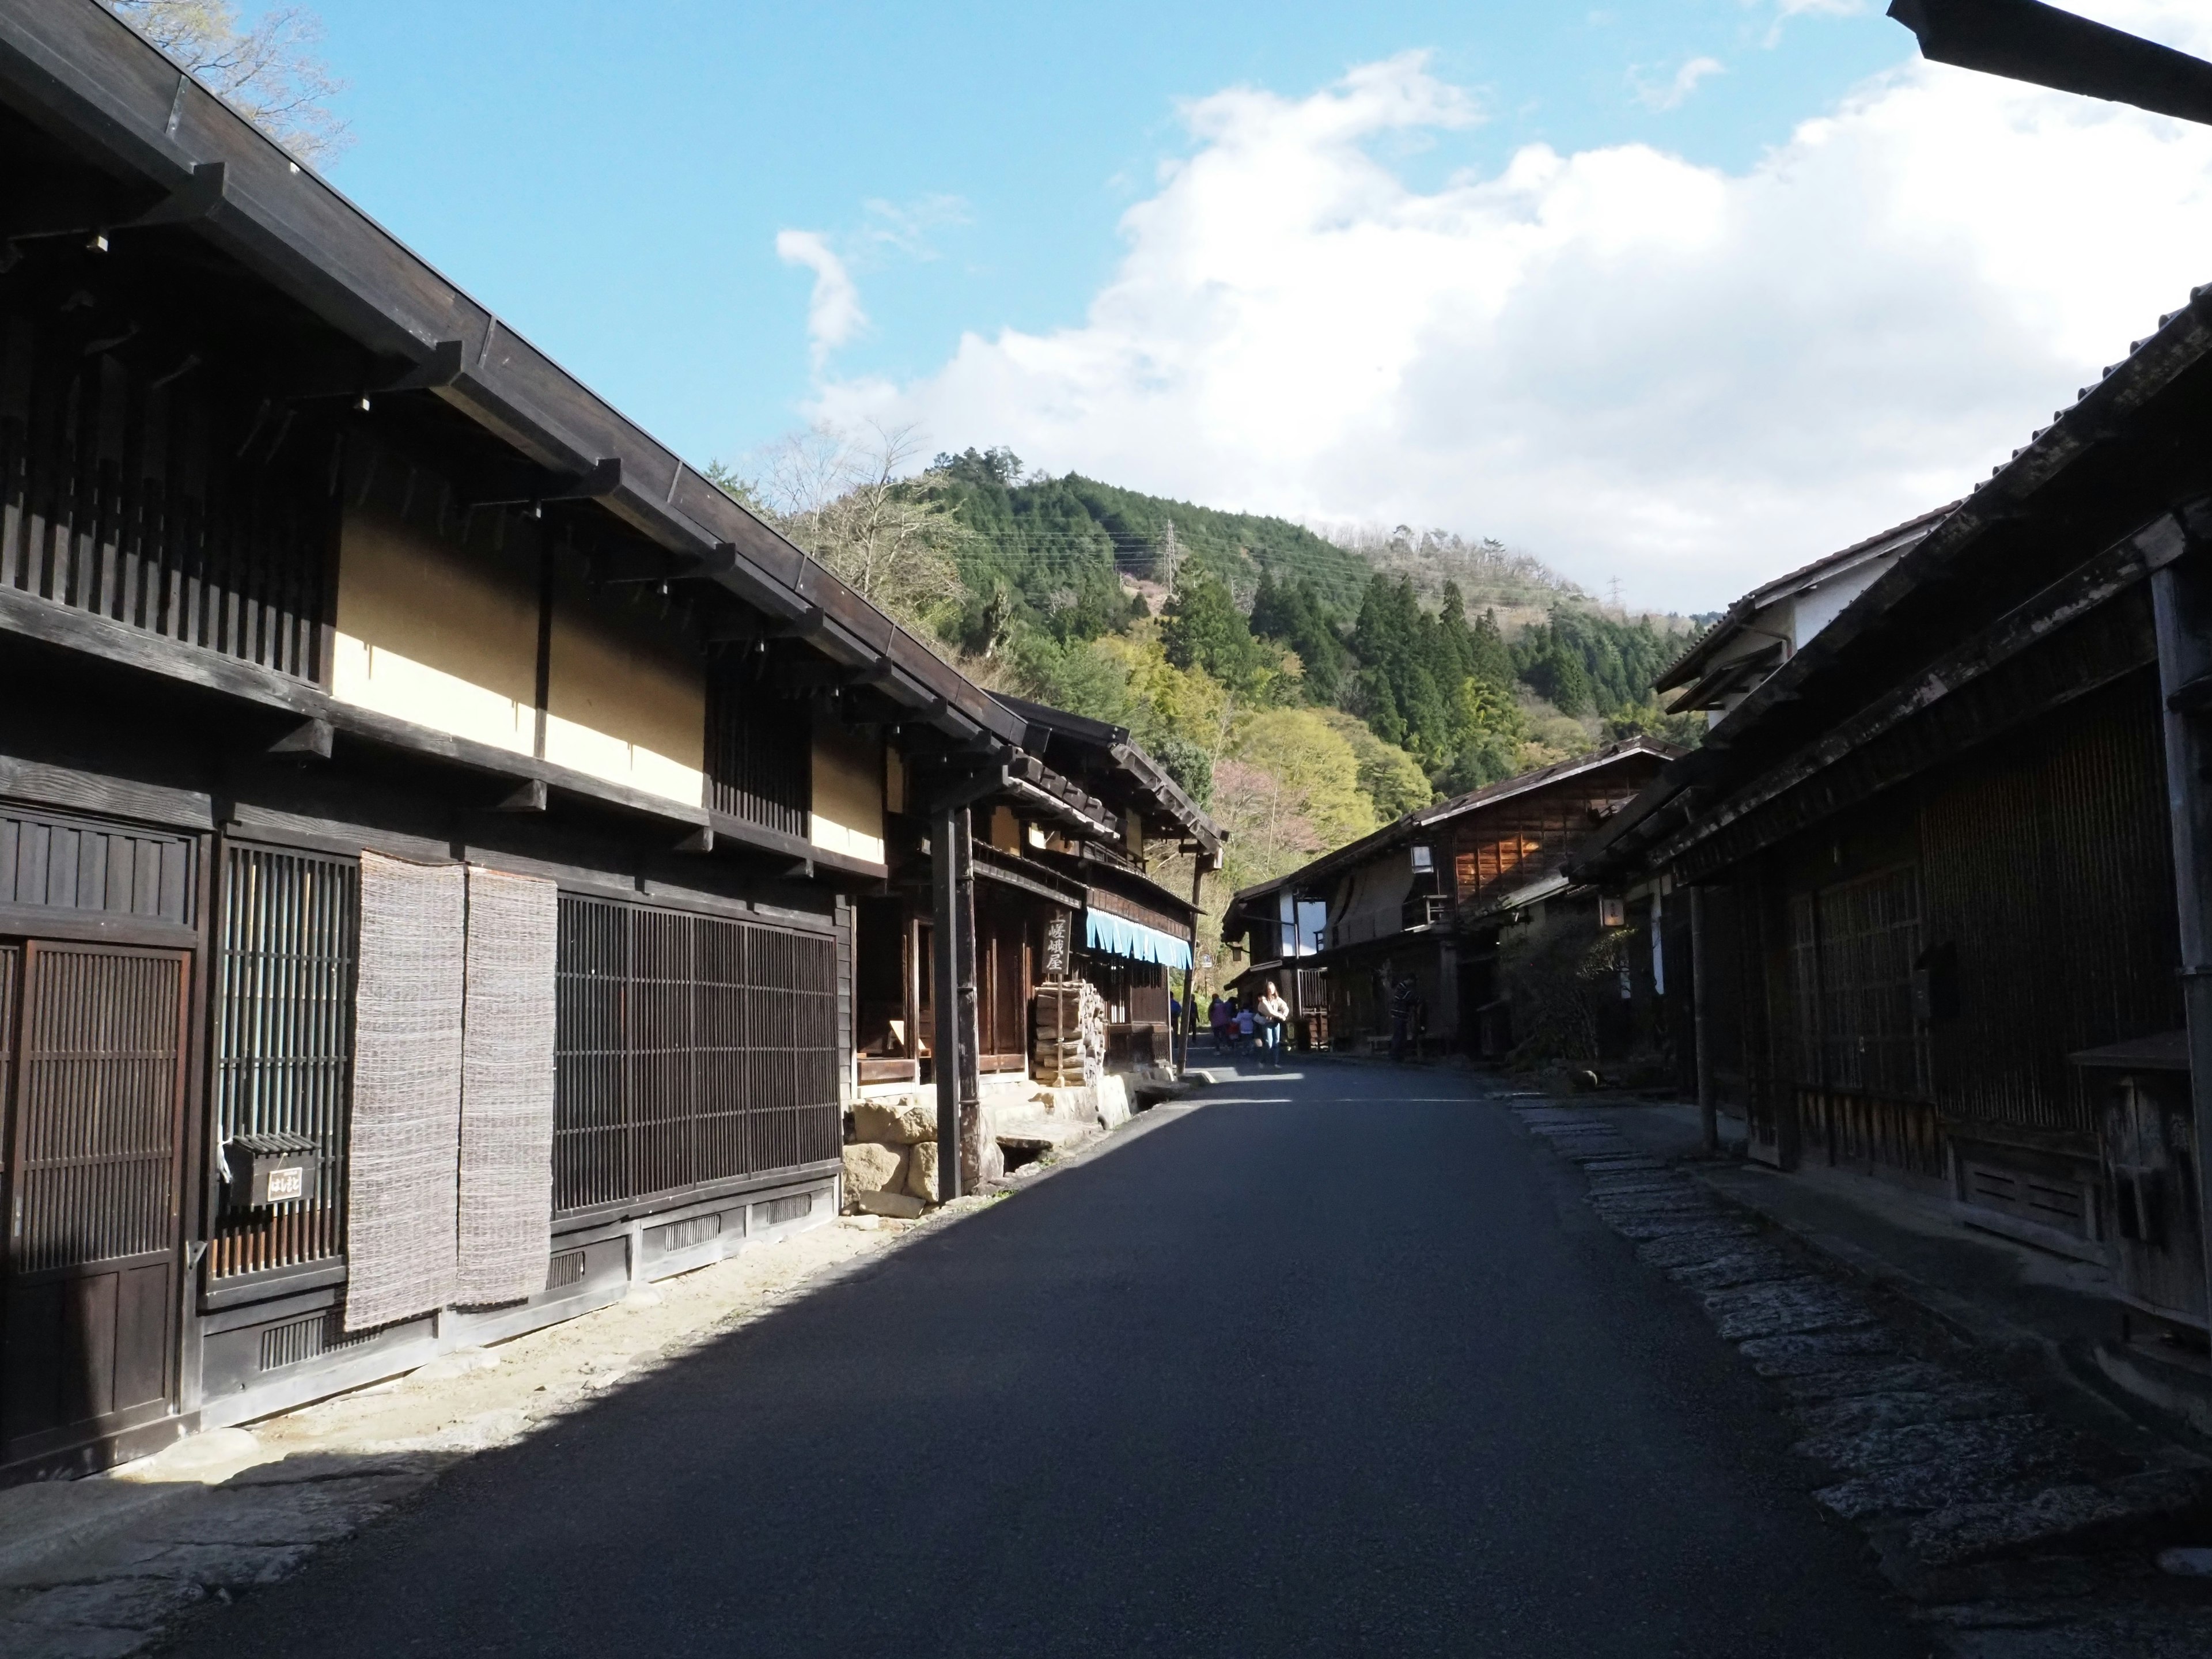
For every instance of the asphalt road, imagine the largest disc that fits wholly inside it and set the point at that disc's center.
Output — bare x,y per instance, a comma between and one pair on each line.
1335,1363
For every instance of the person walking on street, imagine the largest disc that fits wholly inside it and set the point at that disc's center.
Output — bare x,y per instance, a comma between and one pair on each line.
1275,1014
1216,1018
1403,997
1245,1025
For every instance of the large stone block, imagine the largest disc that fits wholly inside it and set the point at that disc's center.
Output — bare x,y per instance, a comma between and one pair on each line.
900,1206
895,1120
921,1171
870,1168
1112,1093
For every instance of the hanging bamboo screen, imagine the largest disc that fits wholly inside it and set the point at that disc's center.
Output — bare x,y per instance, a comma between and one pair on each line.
689,1050
284,992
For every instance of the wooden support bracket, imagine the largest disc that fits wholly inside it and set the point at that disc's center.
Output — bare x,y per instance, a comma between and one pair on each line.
309,740
528,796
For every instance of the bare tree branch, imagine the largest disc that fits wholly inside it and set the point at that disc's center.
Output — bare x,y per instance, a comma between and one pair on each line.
270,73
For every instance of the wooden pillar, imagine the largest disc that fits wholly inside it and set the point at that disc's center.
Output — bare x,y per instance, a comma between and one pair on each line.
949,829
1189,1021
974,1152
1700,1001
2180,550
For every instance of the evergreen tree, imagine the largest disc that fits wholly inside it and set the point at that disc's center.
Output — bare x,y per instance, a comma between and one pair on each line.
1294,614
1203,629
1489,658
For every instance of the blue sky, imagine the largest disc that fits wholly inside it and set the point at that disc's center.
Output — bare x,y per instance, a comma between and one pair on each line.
612,177
1583,278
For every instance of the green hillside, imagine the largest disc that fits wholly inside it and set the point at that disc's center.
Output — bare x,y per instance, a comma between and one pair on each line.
1053,550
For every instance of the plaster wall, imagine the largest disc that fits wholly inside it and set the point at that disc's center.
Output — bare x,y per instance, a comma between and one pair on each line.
848,790
622,710
429,633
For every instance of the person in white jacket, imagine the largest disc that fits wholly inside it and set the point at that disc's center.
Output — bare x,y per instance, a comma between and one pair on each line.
1273,1015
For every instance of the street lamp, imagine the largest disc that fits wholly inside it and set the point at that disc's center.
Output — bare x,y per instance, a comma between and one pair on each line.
2026,40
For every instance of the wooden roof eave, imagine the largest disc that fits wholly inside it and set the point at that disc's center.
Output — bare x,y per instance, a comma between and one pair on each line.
2096,584
94,82
2101,416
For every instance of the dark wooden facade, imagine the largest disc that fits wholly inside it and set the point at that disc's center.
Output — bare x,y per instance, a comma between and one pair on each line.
236,419
1950,861
1442,897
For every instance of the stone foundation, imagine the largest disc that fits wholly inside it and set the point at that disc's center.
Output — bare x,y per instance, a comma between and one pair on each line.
891,1150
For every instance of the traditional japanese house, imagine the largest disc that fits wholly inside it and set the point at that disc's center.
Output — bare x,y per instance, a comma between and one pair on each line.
1947,858
1772,622
1270,931
1468,900
1135,942
430,812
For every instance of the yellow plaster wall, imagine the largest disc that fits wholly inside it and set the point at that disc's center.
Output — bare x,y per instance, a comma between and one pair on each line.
848,791
428,634
620,710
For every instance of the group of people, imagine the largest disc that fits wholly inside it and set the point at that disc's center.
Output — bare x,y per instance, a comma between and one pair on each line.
1257,1025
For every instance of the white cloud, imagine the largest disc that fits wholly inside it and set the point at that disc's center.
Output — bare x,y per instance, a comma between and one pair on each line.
906,227
1634,365
833,312
1673,93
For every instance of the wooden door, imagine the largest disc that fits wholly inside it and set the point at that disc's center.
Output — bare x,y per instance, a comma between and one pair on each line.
88,1285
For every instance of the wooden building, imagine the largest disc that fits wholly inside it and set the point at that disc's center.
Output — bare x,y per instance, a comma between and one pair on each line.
432,816
1947,855
1466,899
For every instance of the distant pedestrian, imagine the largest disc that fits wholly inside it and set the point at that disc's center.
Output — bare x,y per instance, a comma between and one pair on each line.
1245,1024
1405,997
1274,1014
1216,1019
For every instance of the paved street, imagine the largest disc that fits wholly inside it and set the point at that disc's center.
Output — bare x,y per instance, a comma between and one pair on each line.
1332,1363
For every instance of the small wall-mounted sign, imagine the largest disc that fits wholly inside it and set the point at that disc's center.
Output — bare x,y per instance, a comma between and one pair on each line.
268,1169
1612,913
1055,945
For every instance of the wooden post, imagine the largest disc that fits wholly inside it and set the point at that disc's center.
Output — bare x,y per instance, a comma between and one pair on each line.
1189,1021
970,1140
949,829
2181,599
1700,1000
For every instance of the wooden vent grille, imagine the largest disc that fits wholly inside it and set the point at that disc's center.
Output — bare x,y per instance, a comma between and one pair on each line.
297,1340
156,507
98,1103
760,751
564,1270
689,1050
797,1208
284,1041
682,1235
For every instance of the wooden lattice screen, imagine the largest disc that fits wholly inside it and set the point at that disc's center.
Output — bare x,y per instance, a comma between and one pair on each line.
157,507
284,997
689,1050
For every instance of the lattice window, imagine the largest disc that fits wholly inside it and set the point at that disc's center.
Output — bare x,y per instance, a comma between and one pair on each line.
689,1050
284,996
98,1096
155,506
1852,950
760,749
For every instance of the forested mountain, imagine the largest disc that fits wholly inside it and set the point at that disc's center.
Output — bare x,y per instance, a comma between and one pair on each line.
1055,550
1306,688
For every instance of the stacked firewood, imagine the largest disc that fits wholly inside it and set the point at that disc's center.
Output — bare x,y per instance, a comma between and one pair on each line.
1070,1048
